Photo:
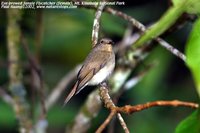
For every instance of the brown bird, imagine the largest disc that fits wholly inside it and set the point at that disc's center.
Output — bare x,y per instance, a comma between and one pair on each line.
97,67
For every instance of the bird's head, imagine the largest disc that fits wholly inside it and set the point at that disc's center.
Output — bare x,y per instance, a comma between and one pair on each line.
106,41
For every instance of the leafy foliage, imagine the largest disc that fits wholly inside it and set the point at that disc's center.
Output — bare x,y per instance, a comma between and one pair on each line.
191,124
193,53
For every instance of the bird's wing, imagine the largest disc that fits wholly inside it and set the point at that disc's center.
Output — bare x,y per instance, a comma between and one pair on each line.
88,70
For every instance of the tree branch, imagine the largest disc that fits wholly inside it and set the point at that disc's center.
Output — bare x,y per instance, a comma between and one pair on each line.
128,109
95,30
103,92
17,89
122,122
106,122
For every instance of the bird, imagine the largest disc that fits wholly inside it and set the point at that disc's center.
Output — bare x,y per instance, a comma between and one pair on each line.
97,67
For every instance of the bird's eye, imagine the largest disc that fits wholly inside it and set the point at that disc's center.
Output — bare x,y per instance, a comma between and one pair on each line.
110,42
101,41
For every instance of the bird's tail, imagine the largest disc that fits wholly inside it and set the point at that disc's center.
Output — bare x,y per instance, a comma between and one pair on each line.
71,94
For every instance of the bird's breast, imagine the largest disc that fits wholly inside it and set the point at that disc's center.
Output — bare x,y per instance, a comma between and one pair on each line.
102,74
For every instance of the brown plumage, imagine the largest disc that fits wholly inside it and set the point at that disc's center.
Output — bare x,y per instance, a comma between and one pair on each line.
98,65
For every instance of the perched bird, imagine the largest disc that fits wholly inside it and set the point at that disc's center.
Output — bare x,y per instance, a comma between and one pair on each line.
97,67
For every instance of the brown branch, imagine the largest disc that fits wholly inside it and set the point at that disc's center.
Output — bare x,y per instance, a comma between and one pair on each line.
128,109
95,30
103,92
122,122
106,122
142,28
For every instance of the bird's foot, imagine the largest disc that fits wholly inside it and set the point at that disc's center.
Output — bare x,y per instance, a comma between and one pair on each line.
104,84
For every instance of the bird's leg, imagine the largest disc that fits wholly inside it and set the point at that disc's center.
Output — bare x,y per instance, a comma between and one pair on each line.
104,84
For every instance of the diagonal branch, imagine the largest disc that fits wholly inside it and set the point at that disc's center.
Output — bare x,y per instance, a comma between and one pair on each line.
142,28
106,122
122,122
103,92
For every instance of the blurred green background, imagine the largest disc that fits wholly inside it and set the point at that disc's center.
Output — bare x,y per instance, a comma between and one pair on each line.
67,40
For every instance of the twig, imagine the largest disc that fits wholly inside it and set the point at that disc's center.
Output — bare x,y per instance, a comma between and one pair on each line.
103,92
126,17
142,28
171,48
128,109
106,122
95,30
122,122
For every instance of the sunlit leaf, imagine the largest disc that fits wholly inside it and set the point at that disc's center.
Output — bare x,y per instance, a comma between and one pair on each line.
193,53
193,6
190,125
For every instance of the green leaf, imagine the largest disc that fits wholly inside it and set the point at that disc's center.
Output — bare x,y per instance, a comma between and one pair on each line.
191,124
193,53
